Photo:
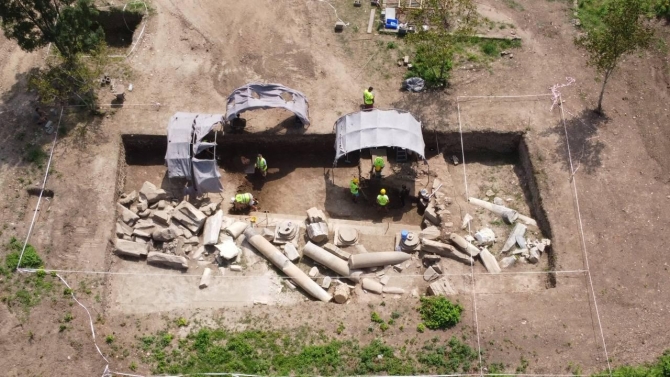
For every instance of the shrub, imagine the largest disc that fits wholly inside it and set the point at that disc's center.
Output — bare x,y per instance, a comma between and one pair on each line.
30,257
421,327
439,313
490,48
36,155
374,317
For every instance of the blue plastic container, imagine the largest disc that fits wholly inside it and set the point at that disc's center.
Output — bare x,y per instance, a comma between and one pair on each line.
391,23
403,234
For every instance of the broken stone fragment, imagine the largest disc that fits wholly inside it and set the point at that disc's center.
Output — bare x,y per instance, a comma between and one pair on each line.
464,245
236,268
329,247
534,256
128,199
160,205
206,278
498,201
151,193
325,284
430,215
228,249
208,209
126,215
466,220
141,233
507,262
441,287
519,230
510,216
430,274
313,272
140,239
198,253
142,206
161,217
429,259
123,228
144,214
290,252
430,233
341,294
167,260
189,216
130,248
163,234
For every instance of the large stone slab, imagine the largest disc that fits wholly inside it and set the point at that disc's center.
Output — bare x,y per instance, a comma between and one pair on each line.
189,216
441,287
130,248
164,234
210,235
167,260
151,193
123,229
489,261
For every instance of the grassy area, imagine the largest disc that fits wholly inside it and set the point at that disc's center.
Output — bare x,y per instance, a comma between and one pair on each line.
590,12
299,352
661,368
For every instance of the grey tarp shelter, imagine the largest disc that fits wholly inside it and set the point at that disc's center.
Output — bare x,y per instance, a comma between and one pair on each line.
185,140
378,128
267,96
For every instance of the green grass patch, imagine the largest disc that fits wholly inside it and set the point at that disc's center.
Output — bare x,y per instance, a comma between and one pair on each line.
439,313
299,352
514,5
36,155
30,257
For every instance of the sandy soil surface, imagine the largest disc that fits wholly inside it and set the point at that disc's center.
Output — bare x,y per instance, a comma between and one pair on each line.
194,53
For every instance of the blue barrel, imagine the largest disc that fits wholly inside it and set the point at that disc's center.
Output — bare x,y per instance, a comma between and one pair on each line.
403,235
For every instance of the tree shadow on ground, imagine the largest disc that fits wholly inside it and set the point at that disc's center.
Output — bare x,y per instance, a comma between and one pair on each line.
585,147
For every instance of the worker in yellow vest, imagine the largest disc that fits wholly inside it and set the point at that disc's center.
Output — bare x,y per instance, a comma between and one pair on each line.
377,166
368,98
355,189
244,201
261,165
383,200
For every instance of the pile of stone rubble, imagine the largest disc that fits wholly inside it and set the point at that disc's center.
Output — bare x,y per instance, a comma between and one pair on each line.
171,233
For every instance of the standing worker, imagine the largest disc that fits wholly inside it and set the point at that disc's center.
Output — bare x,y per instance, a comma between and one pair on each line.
243,201
261,165
355,189
404,193
378,165
382,200
368,98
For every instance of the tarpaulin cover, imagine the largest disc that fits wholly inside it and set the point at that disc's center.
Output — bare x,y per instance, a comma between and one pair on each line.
204,124
186,130
178,157
207,176
267,96
378,128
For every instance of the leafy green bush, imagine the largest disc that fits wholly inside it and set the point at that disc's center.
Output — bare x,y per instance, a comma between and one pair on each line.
431,67
30,257
374,317
36,155
439,313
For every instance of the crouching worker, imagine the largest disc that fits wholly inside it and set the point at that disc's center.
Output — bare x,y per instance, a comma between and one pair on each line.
355,189
242,202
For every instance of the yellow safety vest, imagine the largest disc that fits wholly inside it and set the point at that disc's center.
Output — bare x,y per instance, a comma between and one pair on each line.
368,97
243,198
379,163
353,187
261,163
382,200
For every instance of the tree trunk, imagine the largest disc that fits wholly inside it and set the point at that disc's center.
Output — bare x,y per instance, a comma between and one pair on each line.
599,110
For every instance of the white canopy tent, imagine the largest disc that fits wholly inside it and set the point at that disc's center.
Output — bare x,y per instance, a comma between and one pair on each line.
378,128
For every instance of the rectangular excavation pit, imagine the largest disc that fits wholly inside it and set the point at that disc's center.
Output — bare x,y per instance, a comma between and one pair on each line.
307,180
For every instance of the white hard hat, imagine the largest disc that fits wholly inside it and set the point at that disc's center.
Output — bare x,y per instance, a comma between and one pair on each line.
232,200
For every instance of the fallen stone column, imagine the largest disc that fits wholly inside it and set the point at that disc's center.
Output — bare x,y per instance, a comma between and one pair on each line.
445,250
321,256
372,286
378,259
500,210
393,290
489,261
464,245
236,228
280,261
130,248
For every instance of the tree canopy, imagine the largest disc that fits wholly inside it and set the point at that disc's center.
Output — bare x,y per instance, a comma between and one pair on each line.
69,24
623,30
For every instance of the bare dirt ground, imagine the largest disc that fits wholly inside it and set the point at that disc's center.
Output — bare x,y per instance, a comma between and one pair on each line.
196,52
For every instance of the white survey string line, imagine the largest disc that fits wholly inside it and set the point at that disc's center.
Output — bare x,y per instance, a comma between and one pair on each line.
472,265
39,200
583,238
93,272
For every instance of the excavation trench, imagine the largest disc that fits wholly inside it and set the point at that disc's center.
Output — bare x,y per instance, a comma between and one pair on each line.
317,151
